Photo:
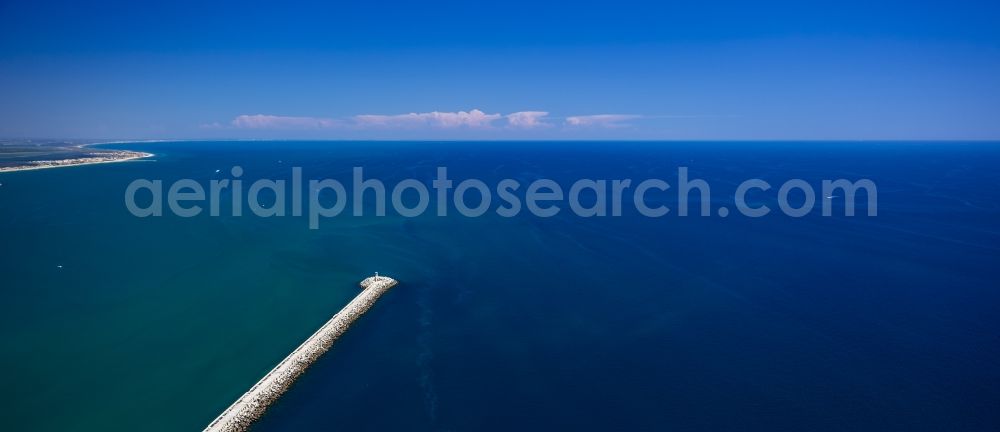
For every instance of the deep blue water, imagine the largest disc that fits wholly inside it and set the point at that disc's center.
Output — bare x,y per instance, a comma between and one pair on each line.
623,323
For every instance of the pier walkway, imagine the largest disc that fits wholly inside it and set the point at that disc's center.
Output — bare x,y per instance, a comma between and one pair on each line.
251,406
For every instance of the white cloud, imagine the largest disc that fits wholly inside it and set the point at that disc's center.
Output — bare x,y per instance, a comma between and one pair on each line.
527,119
261,121
472,119
601,120
447,120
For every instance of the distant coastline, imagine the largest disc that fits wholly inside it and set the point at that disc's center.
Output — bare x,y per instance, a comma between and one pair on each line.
90,159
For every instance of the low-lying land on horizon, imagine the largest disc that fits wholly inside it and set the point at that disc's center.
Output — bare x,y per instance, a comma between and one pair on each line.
20,155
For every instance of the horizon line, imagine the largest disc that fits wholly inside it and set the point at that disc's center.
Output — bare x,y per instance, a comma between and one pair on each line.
97,141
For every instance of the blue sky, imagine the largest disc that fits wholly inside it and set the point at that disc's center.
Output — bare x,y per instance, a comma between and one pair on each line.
505,70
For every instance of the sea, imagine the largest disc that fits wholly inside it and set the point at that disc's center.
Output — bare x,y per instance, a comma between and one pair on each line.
885,322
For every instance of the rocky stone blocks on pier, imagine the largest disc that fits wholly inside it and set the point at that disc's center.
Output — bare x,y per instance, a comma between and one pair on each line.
252,405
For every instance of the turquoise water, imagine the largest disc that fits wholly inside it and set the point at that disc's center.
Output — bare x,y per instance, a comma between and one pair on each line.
696,323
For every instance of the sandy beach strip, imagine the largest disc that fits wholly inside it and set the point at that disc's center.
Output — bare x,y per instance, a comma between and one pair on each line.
114,156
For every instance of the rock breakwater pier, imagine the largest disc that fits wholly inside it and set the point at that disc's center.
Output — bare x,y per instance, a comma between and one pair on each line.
251,406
